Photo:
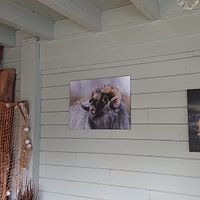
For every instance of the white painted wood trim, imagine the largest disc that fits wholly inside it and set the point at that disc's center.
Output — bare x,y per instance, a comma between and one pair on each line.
150,8
7,37
81,12
30,91
25,20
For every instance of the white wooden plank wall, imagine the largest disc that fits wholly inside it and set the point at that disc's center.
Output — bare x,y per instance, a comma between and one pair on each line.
150,162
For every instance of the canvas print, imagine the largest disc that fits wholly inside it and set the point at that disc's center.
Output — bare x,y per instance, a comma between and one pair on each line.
100,103
194,119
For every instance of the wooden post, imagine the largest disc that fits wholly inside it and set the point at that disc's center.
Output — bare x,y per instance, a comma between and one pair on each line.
30,91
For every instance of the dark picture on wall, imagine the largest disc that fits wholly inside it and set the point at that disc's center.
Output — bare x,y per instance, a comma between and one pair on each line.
193,97
100,103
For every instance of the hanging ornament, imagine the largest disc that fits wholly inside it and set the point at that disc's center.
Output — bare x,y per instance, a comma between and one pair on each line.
8,193
27,141
26,129
188,4
29,146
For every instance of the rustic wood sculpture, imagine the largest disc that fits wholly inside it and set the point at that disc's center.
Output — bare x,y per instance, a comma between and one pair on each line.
7,83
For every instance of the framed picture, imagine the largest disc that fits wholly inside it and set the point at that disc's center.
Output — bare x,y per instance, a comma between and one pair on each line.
193,97
100,104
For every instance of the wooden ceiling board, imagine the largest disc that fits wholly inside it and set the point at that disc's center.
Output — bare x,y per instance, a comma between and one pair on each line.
42,10
109,4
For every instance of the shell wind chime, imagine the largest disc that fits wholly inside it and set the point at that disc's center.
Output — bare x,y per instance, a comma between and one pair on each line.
25,146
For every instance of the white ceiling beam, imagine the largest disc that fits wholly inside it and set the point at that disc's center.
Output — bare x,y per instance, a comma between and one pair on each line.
23,19
79,11
7,37
150,8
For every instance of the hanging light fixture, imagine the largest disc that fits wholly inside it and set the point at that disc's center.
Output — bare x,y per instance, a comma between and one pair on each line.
188,4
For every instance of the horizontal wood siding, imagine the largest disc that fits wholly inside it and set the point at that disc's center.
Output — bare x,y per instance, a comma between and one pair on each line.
152,160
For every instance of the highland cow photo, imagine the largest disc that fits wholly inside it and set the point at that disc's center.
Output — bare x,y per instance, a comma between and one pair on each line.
193,97
100,103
